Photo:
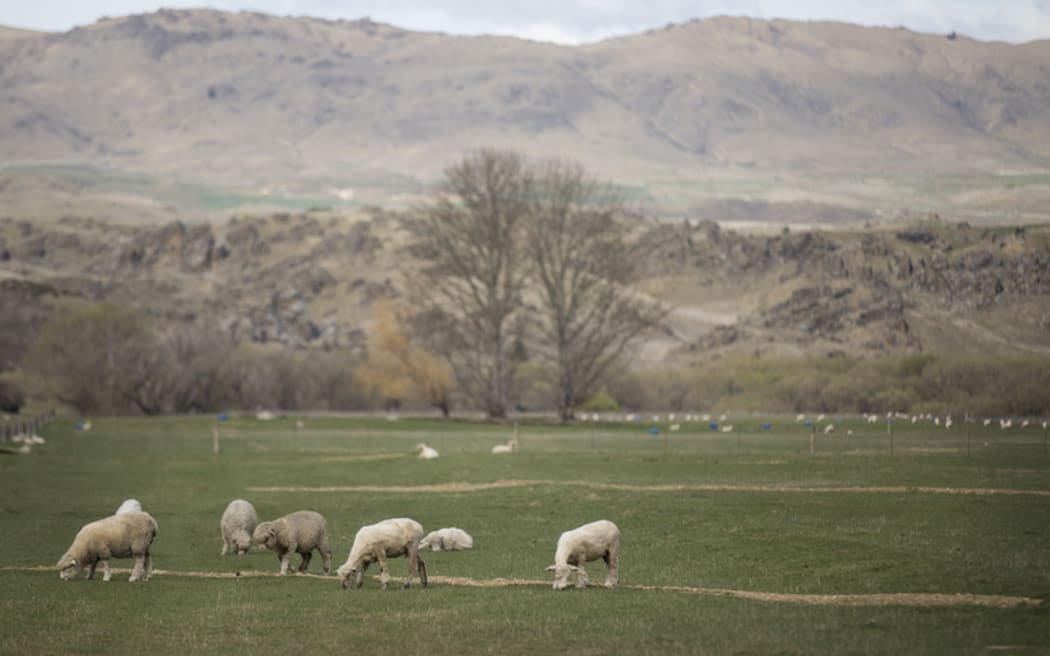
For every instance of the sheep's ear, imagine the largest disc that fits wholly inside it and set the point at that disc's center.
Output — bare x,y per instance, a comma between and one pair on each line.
272,531
552,568
573,568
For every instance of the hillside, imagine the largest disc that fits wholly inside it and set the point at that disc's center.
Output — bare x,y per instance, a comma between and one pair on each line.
203,112
312,280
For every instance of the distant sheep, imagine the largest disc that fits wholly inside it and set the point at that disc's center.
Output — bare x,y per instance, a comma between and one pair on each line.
425,452
129,535
576,548
510,447
237,524
299,532
447,539
129,506
389,538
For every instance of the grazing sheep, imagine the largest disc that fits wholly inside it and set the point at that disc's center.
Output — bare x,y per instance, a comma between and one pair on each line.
447,539
389,538
237,524
128,535
830,428
129,506
727,429
425,452
299,532
576,548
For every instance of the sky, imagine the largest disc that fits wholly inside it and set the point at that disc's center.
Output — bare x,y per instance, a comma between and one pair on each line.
578,21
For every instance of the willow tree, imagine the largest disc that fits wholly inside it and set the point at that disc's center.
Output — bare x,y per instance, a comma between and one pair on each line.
399,368
581,259
469,238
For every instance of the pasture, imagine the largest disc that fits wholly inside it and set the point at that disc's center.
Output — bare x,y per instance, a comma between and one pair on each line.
733,543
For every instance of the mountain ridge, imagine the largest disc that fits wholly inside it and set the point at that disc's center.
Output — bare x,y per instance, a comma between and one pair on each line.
694,112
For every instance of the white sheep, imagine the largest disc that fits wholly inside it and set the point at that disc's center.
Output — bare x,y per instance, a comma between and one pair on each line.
510,447
299,532
129,535
830,428
576,548
389,538
129,506
447,539
237,524
425,452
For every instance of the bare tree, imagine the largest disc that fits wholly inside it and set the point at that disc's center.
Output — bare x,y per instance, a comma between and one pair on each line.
470,240
589,315
84,353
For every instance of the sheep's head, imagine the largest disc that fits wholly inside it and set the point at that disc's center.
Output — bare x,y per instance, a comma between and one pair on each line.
265,535
242,541
69,567
354,575
561,575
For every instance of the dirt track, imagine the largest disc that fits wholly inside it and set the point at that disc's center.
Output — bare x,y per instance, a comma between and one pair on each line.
910,599
508,483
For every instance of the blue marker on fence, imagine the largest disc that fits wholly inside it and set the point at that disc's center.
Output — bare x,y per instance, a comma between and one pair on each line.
654,431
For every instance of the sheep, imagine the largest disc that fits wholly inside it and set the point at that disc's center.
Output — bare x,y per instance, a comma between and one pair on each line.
425,452
237,524
299,532
447,539
128,535
389,538
600,539
830,428
510,447
129,506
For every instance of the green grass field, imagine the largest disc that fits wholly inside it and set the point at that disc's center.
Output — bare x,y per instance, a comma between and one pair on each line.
733,543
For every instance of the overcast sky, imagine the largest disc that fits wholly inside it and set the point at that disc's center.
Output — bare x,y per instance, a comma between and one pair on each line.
579,21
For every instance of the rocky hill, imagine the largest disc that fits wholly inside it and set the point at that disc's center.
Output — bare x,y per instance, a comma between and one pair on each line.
212,111
311,281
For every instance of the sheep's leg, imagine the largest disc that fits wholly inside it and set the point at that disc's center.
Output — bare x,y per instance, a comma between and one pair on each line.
412,554
225,547
284,561
106,574
612,559
581,571
384,577
136,571
306,561
91,570
149,566
326,555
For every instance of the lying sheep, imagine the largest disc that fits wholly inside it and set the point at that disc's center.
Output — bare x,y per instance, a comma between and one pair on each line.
389,538
128,535
238,522
129,506
600,539
299,532
447,539
426,452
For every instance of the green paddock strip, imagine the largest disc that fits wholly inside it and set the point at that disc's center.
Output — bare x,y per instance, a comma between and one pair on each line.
925,600
457,487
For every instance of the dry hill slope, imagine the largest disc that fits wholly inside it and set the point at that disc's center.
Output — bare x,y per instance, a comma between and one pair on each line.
772,111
